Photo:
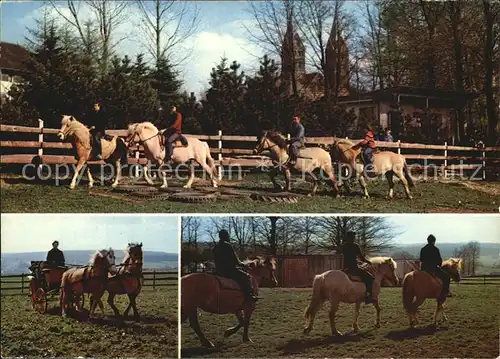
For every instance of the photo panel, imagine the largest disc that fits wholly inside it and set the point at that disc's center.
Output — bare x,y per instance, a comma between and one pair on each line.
116,276
339,286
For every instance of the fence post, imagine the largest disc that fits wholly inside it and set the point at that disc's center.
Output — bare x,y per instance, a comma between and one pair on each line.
40,139
219,156
399,147
154,279
445,158
484,164
22,283
137,154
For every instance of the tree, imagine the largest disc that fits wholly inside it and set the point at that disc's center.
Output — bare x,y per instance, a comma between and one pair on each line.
491,59
264,99
223,108
470,254
373,234
97,35
167,25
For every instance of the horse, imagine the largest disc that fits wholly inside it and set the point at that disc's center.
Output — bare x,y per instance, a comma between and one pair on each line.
113,150
220,295
147,134
384,162
337,286
309,160
89,279
419,285
127,280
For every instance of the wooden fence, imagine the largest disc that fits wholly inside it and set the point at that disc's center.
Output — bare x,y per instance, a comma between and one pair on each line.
18,284
40,144
491,279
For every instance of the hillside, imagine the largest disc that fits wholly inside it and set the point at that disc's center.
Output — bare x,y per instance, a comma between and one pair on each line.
14,263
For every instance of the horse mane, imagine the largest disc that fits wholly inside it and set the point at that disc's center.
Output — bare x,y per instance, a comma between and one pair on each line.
148,125
99,254
380,260
260,262
277,138
453,263
344,141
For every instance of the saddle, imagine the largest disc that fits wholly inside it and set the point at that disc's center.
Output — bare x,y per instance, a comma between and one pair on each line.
433,276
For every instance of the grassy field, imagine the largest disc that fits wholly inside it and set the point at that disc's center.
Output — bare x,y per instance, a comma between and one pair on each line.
27,333
277,323
20,196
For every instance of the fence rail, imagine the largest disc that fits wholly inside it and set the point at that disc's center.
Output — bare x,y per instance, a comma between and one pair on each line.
491,279
18,284
233,150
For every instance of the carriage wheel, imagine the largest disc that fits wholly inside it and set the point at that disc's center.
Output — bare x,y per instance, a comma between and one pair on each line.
39,301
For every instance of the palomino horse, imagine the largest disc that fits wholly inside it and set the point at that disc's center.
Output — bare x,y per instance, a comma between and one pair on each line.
336,287
310,159
147,134
419,285
90,279
114,150
220,295
384,162
128,280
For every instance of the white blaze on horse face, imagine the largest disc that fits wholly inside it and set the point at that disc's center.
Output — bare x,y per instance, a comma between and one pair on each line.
64,125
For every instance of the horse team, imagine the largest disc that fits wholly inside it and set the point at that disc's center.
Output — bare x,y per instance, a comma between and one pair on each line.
103,274
223,295
311,160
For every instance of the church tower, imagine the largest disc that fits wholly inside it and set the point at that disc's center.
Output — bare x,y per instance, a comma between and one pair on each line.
293,57
337,63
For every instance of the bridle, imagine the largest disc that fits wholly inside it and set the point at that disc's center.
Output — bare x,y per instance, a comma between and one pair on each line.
141,141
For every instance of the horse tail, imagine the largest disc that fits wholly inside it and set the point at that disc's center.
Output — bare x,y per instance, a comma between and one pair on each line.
210,161
407,175
408,294
318,297
122,150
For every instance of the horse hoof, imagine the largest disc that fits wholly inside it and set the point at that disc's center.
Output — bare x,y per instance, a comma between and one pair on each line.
247,340
410,198
91,185
114,185
337,334
355,329
377,325
72,187
186,186
307,331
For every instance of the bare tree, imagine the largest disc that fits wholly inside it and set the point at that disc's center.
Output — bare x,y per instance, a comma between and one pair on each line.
374,234
190,230
107,16
168,24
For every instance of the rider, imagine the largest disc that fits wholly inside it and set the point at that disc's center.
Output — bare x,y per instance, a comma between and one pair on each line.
173,133
351,252
430,262
97,120
297,139
368,145
227,264
55,257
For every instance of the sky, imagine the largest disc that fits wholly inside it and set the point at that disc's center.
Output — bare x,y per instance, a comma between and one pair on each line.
33,233
414,228
221,32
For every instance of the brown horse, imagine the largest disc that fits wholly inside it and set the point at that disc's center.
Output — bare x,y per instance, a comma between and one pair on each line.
384,163
220,295
419,285
336,286
128,280
310,160
90,279
113,150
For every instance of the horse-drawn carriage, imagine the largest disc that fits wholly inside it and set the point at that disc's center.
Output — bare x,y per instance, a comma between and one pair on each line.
45,283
